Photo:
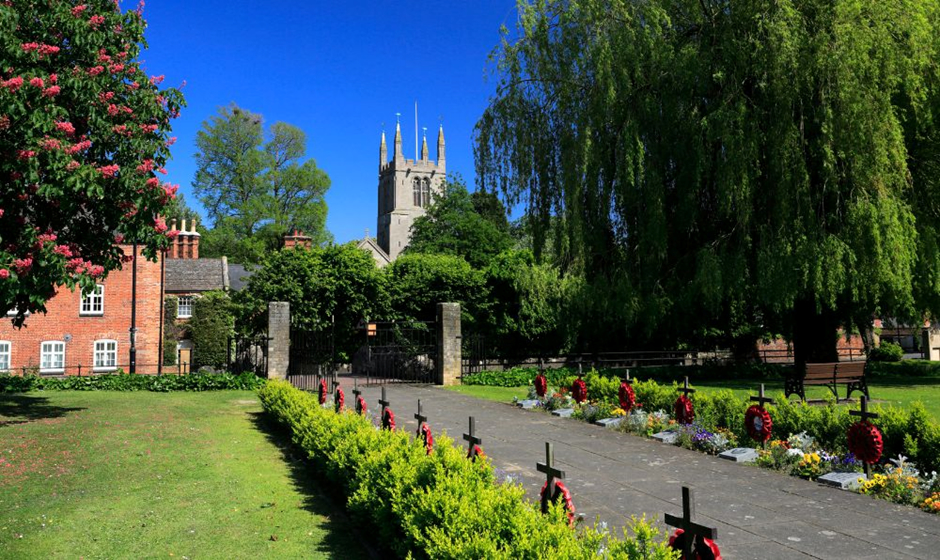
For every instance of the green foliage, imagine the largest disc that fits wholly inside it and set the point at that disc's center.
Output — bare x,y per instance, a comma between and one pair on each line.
211,326
82,132
170,330
886,352
516,377
904,369
338,282
131,382
417,282
255,191
705,171
462,224
439,505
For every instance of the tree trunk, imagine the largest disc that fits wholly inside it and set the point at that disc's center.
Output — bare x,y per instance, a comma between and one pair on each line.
814,333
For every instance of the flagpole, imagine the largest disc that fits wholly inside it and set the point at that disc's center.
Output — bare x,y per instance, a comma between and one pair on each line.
416,130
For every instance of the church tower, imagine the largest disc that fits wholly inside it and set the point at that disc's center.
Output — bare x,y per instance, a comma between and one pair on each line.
405,187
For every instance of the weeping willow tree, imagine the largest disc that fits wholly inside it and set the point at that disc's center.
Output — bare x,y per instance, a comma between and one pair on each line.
717,164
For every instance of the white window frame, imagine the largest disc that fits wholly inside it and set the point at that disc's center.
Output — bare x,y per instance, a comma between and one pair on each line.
95,297
6,355
105,352
43,353
179,307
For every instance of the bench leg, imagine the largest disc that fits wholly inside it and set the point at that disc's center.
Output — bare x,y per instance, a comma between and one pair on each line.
859,386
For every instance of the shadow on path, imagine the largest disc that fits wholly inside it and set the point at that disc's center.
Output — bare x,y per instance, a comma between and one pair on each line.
22,409
343,539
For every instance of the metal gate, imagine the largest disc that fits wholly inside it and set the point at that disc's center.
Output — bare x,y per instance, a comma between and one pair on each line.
397,352
248,353
312,359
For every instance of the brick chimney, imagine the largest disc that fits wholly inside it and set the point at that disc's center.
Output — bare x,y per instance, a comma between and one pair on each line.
297,239
186,244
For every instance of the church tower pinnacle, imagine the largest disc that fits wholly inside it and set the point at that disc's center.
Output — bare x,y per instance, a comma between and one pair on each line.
440,145
383,152
398,153
424,146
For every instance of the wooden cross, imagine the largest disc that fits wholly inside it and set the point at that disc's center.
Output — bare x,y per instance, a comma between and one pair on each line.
626,378
865,415
356,390
685,389
384,402
690,529
472,439
761,399
421,418
579,368
551,473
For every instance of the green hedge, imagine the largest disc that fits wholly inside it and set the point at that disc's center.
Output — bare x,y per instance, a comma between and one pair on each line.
131,382
439,505
211,327
522,376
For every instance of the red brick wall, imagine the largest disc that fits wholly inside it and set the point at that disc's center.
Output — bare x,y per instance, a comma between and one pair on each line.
780,351
63,319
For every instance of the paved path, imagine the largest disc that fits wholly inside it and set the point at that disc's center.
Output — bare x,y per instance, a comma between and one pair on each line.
759,513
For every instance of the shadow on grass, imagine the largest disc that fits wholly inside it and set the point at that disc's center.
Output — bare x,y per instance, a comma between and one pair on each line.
22,409
343,538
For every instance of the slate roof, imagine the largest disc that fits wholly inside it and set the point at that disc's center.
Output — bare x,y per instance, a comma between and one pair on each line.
238,276
194,275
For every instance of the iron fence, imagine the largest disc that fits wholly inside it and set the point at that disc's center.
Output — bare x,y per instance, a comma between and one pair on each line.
248,353
312,359
397,351
81,370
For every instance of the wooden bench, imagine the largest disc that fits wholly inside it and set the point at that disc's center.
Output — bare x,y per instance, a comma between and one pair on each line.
850,374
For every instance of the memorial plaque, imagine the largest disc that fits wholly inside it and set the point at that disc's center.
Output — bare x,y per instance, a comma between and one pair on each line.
563,412
843,480
740,454
611,422
528,404
666,437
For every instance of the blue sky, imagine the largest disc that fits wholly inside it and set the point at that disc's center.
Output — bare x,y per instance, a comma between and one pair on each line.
337,70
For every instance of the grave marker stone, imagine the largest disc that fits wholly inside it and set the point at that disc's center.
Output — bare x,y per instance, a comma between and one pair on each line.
563,412
740,454
691,530
843,480
669,437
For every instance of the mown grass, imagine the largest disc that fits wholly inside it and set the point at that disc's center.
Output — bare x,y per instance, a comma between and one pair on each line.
135,475
898,391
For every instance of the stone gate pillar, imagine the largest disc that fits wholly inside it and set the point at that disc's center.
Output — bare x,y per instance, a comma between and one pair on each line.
278,339
448,361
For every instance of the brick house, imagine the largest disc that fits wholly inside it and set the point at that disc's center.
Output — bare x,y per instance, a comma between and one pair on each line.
187,276
92,334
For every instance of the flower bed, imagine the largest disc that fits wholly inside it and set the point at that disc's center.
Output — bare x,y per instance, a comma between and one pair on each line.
131,382
437,505
821,444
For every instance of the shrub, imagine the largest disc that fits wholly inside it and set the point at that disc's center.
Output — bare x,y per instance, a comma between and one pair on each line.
439,505
211,325
170,330
131,382
886,352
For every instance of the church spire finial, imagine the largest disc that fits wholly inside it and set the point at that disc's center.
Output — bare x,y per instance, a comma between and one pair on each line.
383,149
397,135
440,144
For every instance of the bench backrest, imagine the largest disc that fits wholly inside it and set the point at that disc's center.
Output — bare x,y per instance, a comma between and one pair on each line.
850,370
820,371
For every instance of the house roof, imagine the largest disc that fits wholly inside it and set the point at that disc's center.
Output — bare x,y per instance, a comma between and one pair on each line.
238,276
194,275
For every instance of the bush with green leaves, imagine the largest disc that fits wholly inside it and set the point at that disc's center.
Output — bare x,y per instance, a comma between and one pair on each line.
211,327
886,352
439,505
170,329
131,382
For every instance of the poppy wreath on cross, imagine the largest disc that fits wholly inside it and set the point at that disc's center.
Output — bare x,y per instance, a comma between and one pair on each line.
388,419
865,441
360,405
424,432
339,399
758,423
541,385
474,452
627,397
323,391
579,390
705,549
561,493
684,411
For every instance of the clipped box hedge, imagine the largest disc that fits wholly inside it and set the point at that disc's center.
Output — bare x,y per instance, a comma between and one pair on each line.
440,505
131,382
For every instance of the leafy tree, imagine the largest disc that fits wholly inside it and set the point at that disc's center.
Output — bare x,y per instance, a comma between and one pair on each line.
82,132
470,226
177,209
418,282
211,326
255,191
338,282
714,160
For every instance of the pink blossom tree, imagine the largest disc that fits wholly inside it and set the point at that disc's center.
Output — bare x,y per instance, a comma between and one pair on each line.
84,135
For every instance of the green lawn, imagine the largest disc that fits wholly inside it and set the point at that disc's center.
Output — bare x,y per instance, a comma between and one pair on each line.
157,475
884,390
